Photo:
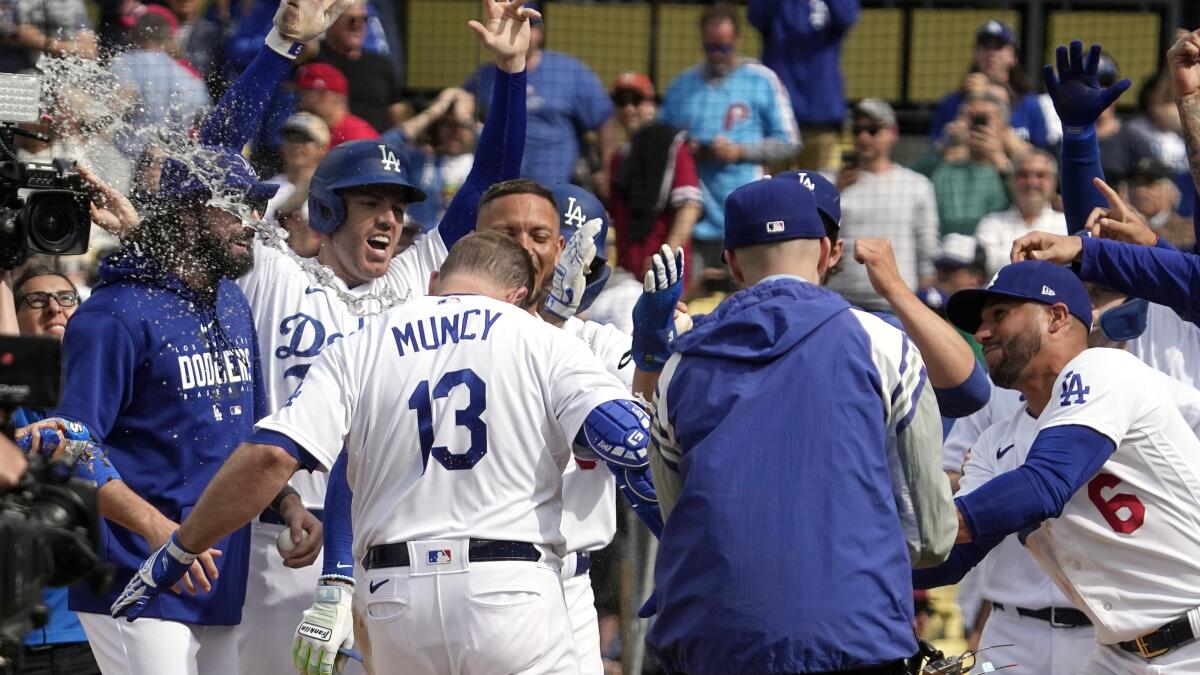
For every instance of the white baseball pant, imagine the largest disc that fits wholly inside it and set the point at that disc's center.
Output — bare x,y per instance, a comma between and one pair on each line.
1036,647
157,647
1112,660
463,618
585,625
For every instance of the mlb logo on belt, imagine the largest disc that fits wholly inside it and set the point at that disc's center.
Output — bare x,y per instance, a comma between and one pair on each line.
439,557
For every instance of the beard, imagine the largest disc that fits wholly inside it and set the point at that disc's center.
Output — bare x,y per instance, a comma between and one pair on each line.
1019,350
213,252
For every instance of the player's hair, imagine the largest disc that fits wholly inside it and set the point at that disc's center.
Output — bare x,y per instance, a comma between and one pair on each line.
718,12
517,186
37,269
493,256
832,230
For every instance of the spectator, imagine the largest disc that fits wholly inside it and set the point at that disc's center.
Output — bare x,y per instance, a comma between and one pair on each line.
960,262
375,90
655,193
45,301
967,170
883,199
996,59
1157,123
1152,192
1033,185
802,43
167,93
439,145
305,142
565,99
738,118
29,28
324,91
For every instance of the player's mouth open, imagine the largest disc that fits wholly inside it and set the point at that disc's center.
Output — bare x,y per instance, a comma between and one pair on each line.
379,242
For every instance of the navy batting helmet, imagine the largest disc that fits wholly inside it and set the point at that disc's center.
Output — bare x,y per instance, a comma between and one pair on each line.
354,164
829,200
577,206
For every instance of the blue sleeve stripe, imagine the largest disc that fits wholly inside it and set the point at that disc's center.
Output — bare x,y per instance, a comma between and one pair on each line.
674,466
912,404
291,447
896,392
903,354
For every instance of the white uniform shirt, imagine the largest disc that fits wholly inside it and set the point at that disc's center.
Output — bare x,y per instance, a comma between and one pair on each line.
296,318
997,231
1126,548
457,414
1169,345
1002,404
589,518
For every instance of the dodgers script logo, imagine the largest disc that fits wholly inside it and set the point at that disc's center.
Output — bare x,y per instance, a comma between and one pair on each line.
305,338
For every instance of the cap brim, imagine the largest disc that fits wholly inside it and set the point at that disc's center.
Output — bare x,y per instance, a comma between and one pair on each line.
262,191
964,309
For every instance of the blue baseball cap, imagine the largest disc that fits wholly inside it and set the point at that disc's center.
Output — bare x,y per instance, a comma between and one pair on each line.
771,210
829,200
998,30
1033,280
215,169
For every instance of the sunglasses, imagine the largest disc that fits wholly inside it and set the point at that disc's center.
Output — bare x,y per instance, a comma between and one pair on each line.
41,299
624,98
859,128
714,48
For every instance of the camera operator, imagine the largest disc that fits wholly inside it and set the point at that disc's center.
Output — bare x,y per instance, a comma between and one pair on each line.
45,301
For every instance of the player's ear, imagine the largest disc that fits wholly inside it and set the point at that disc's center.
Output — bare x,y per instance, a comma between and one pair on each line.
734,268
826,259
1060,318
433,282
516,296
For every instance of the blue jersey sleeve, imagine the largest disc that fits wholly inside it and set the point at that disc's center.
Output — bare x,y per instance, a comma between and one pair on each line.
289,445
498,156
100,357
1159,275
1060,461
966,398
338,524
963,557
1080,164
239,114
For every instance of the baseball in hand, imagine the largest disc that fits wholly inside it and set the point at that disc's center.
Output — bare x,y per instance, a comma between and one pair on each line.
683,323
284,542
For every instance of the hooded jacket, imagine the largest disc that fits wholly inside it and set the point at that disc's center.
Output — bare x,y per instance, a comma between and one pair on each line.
800,471
169,382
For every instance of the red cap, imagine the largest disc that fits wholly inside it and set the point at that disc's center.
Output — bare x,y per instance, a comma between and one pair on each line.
322,77
634,81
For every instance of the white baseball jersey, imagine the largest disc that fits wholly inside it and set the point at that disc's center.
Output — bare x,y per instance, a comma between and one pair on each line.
1169,344
589,518
457,413
1002,404
296,318
1126,548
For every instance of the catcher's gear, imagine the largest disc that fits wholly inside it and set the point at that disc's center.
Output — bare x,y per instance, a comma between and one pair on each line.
578,207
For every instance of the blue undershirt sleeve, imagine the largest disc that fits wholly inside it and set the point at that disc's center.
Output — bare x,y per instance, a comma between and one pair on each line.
1080,164
1166,277
498,155
291,447
965,398
239,114
1060,461
339,529
963,557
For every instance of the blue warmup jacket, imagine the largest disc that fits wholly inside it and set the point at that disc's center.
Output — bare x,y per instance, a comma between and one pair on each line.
784,552
170,388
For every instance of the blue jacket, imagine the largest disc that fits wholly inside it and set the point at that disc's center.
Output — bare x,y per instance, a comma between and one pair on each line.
784,551
170,387
802,43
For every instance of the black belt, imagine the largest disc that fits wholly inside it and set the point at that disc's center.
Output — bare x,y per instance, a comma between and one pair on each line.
479,550
1162,640
583,563
270,517
1059,617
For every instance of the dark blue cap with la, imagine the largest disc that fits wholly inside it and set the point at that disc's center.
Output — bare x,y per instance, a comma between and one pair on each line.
771,210
1033,280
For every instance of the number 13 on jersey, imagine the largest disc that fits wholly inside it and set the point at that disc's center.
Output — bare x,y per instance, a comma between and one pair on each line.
468,417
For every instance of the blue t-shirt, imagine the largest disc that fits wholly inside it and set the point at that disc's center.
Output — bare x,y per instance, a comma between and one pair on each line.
747,106
564,99
170,389
1026,119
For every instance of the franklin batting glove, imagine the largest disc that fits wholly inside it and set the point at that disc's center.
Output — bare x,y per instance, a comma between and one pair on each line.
161,570
1076,92
570,274
654,313
326,628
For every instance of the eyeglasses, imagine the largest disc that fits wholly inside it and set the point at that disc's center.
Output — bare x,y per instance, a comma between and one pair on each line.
859,128
41,299
624,98
717,48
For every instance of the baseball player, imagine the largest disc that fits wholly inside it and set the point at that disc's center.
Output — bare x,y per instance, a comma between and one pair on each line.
1105,471
455,411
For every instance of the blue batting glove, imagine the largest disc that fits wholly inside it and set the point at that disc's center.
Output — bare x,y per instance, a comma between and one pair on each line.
161,570
1078,98
654,313
636,486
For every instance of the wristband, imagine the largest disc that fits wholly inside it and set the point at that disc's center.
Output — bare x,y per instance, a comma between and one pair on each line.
283,46
337,577
286,492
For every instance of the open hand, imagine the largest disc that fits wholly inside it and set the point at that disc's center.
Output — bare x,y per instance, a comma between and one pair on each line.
506,33
304,20
1076,91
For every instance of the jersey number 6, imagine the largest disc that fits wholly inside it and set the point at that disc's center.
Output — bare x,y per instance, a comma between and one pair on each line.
1109,508
467,417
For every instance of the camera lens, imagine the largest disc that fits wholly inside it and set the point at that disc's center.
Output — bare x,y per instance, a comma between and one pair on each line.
56,223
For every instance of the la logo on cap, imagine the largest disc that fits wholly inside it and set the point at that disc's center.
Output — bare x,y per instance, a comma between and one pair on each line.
774,226
1046,290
